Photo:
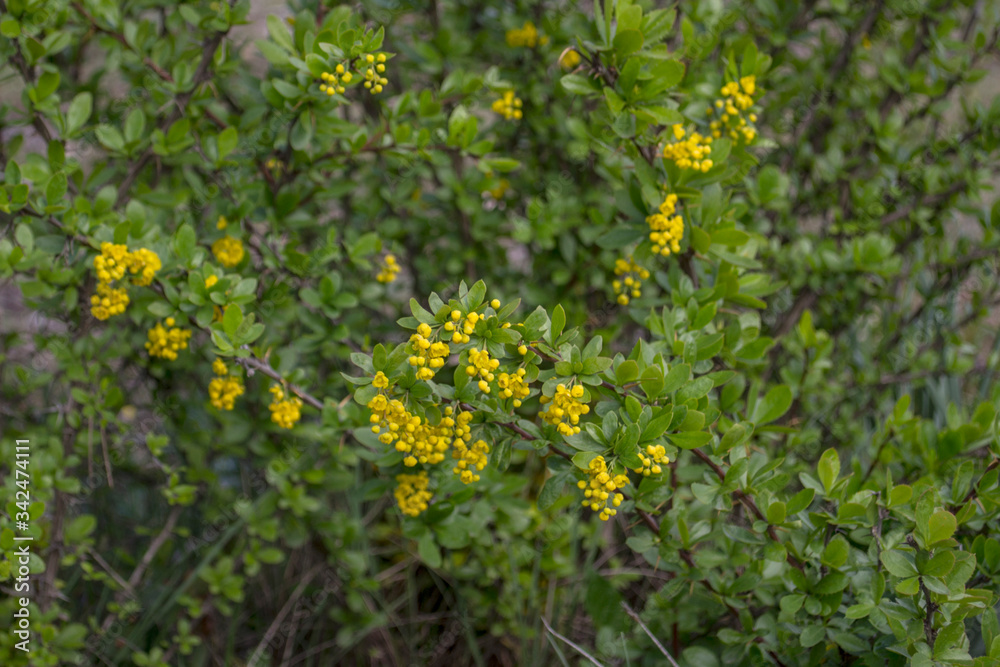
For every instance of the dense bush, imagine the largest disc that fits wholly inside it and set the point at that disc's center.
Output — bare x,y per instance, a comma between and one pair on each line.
500,333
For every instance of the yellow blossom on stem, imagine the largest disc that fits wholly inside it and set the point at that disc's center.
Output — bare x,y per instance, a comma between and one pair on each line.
569,59
481,365
110,265
564,409
223,391
108,301
512,385
428,355
652,459
526,36
666,228
145,263
508,106
285,410
229,251
166,341
412,494
690,152
632,275
470,459
737,98
388,270
600,489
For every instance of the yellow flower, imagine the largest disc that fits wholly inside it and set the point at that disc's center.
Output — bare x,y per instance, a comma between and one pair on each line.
689,153
570,58
563,410
166,341
108,301
630,286
600,489
388,270
470,459
380,381
285,411
666,228
110,265
210,281
144,262
221,224
526,36
223,391
480,364
652,459
428,355
509,106
229,251
412,494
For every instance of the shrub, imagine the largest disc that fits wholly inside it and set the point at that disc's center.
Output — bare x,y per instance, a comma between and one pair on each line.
499,333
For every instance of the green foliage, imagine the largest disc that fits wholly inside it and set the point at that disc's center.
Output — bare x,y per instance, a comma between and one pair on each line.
767,336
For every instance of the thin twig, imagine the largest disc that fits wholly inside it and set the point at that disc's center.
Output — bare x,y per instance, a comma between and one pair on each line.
576,647
635,617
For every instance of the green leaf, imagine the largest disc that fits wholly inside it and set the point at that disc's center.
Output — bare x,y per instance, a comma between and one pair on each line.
79,112
689,439
898,564
231,320
773,405
551,491
942,526
828,469
558,322
836,552
428,549
627,42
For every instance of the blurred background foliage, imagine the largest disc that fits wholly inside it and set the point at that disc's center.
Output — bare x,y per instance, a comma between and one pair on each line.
860,229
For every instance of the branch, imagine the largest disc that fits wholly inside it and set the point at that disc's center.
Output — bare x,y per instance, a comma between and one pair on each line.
635,617
254,364
575,646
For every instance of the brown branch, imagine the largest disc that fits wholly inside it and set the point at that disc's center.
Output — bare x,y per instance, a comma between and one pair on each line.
254,364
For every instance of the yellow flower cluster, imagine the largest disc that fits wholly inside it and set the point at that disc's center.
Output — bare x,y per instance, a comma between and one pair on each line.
423,442
229,251
600,490
654,457
512,385
333,81
388,270
569,59
736,98
412,494
666,227
108,301
166,341
470,459
526,36
285,410
480,364
111,265
461,329
374,68
428,355
563,410
508,106
223,391
691,152
145,263
630,286
500,190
